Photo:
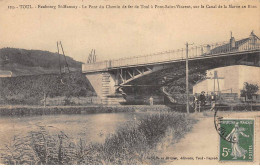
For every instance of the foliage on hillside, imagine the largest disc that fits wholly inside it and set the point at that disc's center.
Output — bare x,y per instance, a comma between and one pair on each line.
173,79
29,62
31,89
176,76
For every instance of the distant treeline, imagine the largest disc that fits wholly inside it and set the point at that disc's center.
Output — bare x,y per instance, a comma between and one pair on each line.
176,76
31,89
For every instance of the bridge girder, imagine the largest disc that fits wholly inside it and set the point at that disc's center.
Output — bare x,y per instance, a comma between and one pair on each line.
124,79
139,76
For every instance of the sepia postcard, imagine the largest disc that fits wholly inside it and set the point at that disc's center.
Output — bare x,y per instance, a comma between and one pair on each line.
129,82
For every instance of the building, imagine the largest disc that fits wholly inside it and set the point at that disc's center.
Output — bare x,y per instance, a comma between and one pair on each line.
228,79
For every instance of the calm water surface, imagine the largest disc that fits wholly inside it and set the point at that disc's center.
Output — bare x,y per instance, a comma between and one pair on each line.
91,127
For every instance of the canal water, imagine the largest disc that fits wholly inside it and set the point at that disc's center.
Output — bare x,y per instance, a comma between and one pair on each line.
90,127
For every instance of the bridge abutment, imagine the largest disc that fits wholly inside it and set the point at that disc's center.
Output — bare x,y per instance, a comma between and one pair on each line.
104,86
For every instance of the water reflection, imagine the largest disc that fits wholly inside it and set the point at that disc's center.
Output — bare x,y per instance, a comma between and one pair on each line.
90,127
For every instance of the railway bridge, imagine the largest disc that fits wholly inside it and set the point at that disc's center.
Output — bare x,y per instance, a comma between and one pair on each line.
135,79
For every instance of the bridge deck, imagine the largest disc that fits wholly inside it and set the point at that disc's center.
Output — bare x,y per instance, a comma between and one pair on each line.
199,52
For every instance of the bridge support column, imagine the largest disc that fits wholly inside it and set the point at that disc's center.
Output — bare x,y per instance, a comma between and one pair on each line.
104,86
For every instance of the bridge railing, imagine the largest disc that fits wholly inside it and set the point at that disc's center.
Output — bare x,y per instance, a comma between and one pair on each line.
97,66
176,55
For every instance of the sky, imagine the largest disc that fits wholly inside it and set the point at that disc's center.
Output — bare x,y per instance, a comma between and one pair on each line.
118,33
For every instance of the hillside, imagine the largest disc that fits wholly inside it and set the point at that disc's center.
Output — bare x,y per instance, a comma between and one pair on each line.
30,89
32,62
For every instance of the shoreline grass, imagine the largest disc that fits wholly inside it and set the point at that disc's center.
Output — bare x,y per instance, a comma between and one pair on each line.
133,143
49,110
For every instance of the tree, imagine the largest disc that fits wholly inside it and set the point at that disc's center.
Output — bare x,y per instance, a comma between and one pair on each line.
249,90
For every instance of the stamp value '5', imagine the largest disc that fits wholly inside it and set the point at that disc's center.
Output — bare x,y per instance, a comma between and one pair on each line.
237,144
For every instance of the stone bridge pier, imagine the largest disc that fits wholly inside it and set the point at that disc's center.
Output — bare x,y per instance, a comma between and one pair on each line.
105,88
116,86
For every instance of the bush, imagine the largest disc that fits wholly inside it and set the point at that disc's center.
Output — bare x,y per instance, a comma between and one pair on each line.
249,90
31,89
131,144
154,127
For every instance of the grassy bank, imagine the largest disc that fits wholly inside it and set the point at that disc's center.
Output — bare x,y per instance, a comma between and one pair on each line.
131,144
49,110
31,90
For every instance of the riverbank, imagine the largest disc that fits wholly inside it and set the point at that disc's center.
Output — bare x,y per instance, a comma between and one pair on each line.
23,110
40,110
133,142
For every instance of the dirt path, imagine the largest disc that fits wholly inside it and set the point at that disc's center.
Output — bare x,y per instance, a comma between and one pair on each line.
203,141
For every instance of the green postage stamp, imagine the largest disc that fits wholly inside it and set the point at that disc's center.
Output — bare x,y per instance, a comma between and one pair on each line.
237,142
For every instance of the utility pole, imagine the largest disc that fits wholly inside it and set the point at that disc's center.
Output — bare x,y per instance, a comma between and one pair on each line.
214,90
59,55
187,77
64,57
